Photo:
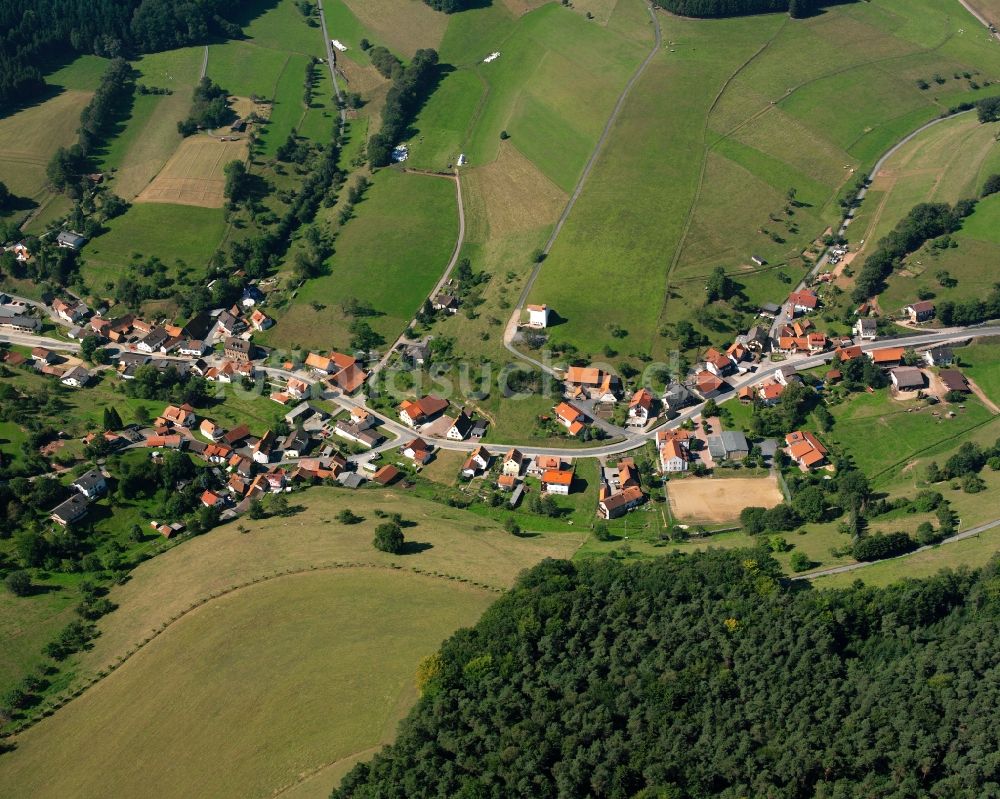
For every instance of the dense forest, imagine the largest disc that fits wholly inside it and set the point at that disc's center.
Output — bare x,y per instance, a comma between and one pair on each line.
706,676
32,30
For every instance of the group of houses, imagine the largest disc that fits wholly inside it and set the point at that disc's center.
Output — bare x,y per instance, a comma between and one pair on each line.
620,491
427,414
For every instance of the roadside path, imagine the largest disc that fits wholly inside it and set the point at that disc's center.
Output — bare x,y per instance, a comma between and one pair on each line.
447,270
970,533
330,61
511,328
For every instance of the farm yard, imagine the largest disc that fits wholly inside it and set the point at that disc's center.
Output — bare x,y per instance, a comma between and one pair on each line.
720,499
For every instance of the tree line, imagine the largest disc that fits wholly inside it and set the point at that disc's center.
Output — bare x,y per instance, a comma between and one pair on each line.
31,31
409,90
924,222
742,8
706,675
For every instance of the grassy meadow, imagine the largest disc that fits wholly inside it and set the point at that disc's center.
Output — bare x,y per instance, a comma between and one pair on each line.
319,629
391,255
768,104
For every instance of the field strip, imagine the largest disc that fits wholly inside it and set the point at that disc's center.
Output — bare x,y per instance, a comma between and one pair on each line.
323,767
205,600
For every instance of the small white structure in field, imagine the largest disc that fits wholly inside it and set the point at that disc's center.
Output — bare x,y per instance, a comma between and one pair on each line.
400,153
339,45
538,316
491,57
462,160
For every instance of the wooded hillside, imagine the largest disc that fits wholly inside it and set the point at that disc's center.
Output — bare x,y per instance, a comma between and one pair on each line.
707,676
32,31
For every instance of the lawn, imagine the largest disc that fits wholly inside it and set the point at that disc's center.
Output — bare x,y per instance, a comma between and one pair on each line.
404,26
882,435
172,233
301,687
391,255
981,362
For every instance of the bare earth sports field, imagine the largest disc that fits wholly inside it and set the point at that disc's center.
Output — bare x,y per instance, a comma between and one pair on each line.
721,500
193,175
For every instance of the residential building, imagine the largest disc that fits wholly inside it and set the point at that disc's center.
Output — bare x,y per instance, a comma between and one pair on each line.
418,451
460,427
261,451
91,484
367,438
939,356
570,417
174,415
296,444
445,302
260,320
802,301
236,436
512,463
770,393
787,374
640,408
229,323
70,511
192,347
557,481
238,349
708,384
477,462
72,311
70,240
210,429
866,328
153,340
416,412
613,505
44,355
920,311
887,357
805,449
907,378
592,383
75,377
717,363
844,354
386,475
20,323
676,396
673,456
297,389
757,339
543,463
507,482
538,316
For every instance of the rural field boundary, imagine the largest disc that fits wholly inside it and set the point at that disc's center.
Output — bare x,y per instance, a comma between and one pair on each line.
157,631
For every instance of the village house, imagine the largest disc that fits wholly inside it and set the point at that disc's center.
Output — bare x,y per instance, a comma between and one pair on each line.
845,354
192,347
543,463
557,481
417,412
418,451
297,389
75,377
570,417
44,355
887,357
954,380
211,500
907,378
805,449
866,328
166,441
460,426
802,301
939,356
728,445
71,312
585,382
611,505
229,323
386,475
91,484
673,446
174,415
676,396
507,482
717,363
538,316
769,310
757,339
237,349
70,240
786,374
477,462
262,450
236,436
153,340
364,437
70,511
210,430
445,302
920,311
708,384
296,444
342,371
512,461
640,408
260,320
251,296
770,393
737,352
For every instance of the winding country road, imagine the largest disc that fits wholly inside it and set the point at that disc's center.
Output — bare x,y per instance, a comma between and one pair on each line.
511,329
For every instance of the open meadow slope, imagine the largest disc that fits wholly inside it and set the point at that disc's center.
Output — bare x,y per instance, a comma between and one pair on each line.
764,105
287,658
